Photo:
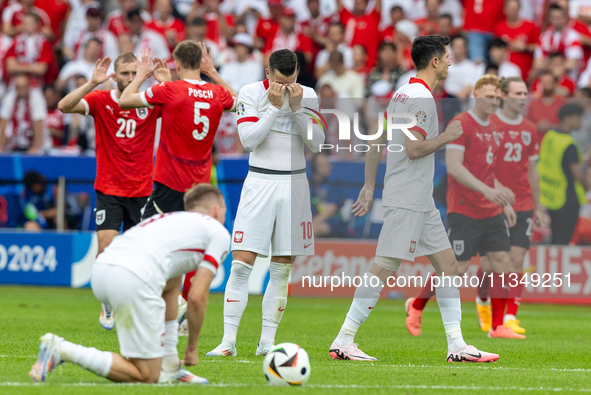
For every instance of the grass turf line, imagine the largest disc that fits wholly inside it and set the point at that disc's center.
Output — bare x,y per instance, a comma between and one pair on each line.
554,358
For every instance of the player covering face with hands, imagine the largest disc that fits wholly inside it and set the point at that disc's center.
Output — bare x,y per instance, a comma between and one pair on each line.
274,204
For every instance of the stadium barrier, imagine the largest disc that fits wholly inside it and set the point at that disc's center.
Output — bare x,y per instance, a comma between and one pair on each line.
66,258
555,274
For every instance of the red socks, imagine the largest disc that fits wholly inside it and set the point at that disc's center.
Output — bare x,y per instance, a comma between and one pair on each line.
514,297
483,290
187,284
426,293
498,295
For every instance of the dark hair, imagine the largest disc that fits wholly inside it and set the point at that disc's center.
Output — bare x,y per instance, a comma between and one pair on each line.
556,55
198,22
362,47
458,37
32,177
201,195
569,110
396,8
284,61
555,7
497,42
585,91
314,160
96,40
188,54
446,16
425,48
387,44
125,57
491,67
134,12
339,24
335,57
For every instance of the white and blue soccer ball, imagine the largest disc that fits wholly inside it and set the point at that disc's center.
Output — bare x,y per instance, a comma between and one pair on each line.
287,364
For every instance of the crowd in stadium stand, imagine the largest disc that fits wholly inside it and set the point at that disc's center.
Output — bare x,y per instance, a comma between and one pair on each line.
348,49
355,53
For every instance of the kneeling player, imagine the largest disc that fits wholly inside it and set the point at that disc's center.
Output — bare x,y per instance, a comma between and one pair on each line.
516,169
139,274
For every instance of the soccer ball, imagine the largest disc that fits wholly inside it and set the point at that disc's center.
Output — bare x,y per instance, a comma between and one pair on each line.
287,364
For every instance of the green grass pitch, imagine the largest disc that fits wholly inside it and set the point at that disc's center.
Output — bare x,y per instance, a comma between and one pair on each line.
555,357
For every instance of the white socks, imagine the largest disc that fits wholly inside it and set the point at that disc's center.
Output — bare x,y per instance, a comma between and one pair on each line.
235,299
366,297
171,339
448,299
89,358
275,300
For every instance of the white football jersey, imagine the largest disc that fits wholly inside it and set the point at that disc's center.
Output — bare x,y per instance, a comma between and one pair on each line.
408,183
168,245
283,146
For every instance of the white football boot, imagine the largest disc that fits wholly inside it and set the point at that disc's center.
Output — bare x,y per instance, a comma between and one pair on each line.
226,349
49,357
107,318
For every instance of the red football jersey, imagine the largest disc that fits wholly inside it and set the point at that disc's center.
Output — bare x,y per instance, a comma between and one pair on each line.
482,15
519,145
191,112
362,30
524,30
124,145
480,143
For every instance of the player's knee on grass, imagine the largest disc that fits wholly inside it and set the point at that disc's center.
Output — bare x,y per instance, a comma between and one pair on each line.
148,369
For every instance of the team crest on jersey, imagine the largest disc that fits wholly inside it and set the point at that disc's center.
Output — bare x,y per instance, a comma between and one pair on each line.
100,217
421,118
526,137
238,237
459,247
142,113
240,109
413,246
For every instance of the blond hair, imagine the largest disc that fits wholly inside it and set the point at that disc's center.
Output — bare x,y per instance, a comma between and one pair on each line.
125,57
487,79
201,195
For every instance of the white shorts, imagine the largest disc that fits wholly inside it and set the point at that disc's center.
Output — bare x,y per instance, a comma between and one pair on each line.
407,234
139,310
274,210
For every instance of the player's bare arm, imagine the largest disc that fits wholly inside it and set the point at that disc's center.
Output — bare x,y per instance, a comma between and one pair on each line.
71,103
454,161
3,123
511,215
130,97
419,148
209,70
197,304
37,137
372,161
296,93
534,181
